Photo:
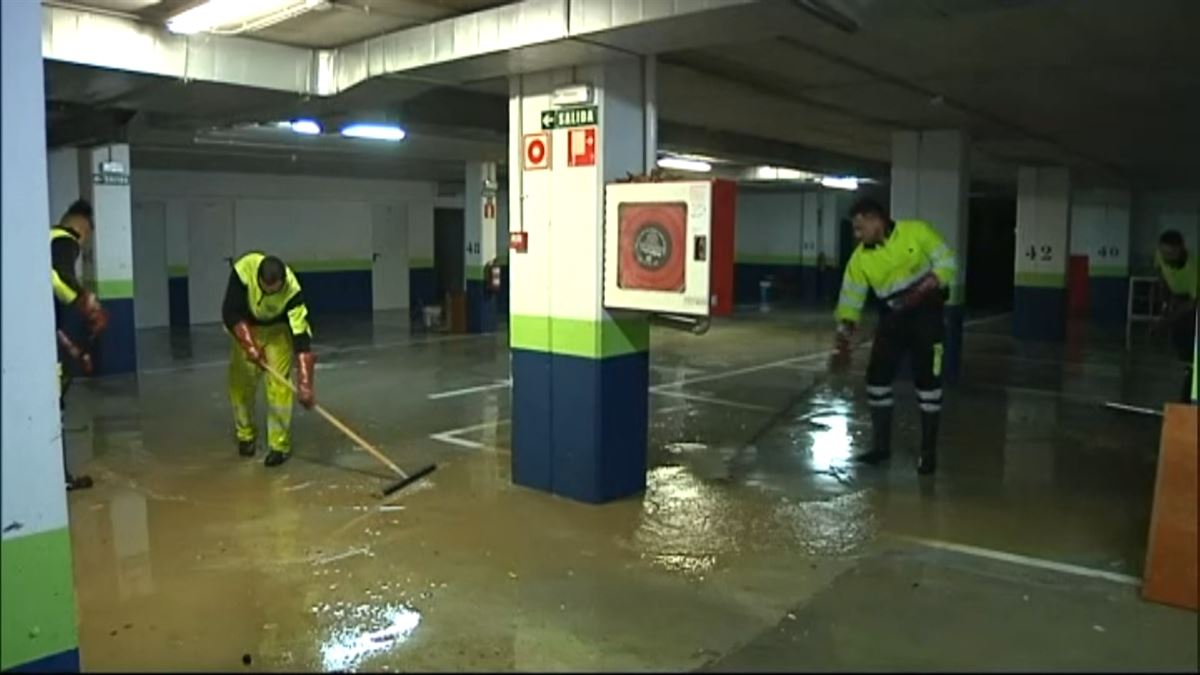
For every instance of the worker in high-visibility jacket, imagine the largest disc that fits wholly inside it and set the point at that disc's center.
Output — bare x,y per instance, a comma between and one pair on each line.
66,239
1178,280
264,312
910,269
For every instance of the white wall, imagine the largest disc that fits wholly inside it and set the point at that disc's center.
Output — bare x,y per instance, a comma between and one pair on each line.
1156,211
63,169
768,227
302,219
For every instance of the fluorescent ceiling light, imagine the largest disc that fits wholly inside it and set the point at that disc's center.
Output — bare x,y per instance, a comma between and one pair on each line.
375,132
780,173
840,182
681,164
306,127
237,16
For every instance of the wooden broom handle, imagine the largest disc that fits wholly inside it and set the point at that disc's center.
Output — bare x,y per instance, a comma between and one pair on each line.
341,427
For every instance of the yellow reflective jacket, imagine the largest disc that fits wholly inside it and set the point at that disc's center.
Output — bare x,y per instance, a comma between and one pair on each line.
62,272
910,251
287,304
1181,280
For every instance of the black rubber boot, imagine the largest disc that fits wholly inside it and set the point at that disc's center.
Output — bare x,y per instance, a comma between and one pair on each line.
246,448
927,464
275,458
78,482
881,428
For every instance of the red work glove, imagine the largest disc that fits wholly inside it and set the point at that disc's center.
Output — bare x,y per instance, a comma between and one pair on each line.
245,338
307,362
843,346
917,293
93,312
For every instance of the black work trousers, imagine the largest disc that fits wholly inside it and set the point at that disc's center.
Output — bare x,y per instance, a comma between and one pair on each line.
919,333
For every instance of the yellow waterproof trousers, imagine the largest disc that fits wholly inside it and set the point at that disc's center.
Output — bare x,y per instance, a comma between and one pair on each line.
276,343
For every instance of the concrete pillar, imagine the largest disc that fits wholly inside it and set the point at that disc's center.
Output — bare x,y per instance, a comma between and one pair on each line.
1100,227
422,280
38,602
108,255
810,243
829,262
480,213
930,177
580,373
1043,239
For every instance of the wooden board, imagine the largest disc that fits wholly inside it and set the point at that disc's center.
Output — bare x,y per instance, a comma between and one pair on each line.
1171,562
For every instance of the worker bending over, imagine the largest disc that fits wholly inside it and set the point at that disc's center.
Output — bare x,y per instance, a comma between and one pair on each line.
66,239
1178,279
264,311
909,267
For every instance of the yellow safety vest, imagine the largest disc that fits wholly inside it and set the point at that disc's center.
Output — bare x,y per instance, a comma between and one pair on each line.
910,251
1181,280
269,308
62,292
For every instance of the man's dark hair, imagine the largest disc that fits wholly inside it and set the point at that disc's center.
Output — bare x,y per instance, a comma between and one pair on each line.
868,207
271,271
81,207
1171,238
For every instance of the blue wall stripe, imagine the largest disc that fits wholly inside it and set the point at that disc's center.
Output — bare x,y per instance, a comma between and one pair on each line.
62,662
337,292
422,288
1109,297
1039,313
178,310
809,280
115,351
829,282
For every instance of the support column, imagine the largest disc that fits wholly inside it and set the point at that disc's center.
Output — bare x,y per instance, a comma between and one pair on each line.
422,281
829,261
480,212
930,176
580,373
108,255
810,242
1043,239
1100,221
38,602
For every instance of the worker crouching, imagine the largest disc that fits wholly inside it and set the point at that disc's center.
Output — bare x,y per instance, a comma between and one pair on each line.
910,268
265,314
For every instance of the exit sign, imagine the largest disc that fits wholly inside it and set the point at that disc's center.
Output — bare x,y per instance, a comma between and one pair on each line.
571,117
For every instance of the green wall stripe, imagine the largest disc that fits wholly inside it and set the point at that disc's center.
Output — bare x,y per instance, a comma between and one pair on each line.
114,289
754,259
176,271
38,602
329,265
1042,279
474,272
420,263
580,337
1107,271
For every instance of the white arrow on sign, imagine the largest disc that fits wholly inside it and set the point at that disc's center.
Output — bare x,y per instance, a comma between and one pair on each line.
547,119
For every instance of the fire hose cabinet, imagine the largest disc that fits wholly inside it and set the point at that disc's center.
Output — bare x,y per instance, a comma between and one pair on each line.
668,247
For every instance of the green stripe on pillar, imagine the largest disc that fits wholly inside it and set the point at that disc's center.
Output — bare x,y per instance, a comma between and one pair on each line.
114,289
420,263
38,602
1107,271
754,259
580,337
474,273
1041,279
808,260
177,271
347,265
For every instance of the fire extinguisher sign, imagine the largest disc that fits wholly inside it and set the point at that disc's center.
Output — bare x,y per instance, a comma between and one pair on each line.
581,146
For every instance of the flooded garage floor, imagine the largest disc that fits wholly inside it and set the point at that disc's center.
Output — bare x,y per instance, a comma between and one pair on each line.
756,546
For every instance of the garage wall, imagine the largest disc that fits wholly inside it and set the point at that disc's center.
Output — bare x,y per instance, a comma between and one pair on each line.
321,226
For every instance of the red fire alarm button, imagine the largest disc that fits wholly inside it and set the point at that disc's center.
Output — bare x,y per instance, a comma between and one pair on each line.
518,241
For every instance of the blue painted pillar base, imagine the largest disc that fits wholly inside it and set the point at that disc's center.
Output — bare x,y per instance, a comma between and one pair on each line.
481,308
178,310
580,424
62,662
1039,313
422,291
809,285
1109,300
502,297
115,351
952,346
